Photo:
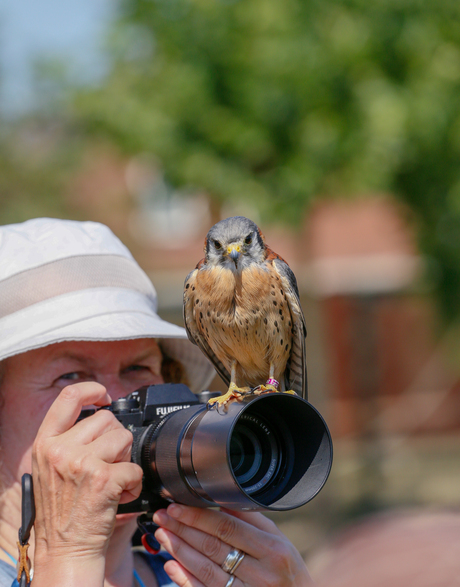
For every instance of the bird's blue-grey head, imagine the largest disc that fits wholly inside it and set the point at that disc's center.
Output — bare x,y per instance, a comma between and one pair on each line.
234,243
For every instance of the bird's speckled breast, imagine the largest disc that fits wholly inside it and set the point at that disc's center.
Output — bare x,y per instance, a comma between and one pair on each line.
244,317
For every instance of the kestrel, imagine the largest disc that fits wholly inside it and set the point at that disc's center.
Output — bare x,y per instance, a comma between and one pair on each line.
242,308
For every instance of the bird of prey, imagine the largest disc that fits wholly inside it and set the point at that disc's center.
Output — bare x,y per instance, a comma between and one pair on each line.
242,308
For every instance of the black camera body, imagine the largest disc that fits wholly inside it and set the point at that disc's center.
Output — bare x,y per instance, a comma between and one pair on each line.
143,412
266,452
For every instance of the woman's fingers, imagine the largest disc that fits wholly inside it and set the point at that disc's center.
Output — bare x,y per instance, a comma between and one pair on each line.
66,408
171,535
98,436
210,546
256,519
94,453
201,539
113,446
227,528
93,426
201,570
129,478
181,576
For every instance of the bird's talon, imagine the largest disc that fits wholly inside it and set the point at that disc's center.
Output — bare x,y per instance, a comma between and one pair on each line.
233,394
291,391
261,389
268,388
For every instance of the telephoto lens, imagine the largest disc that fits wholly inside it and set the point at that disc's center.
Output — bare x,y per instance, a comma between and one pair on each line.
268,452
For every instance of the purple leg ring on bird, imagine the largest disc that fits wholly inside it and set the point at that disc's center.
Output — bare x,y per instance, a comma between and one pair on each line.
273,382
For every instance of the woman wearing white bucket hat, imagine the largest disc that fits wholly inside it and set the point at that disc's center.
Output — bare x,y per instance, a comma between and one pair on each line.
78,327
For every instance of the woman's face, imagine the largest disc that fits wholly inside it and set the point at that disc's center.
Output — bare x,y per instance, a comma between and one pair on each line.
33,380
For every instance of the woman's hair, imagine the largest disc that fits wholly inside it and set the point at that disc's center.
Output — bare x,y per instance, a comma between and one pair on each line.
171,369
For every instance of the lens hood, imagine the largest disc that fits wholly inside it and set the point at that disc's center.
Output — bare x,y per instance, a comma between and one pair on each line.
269,452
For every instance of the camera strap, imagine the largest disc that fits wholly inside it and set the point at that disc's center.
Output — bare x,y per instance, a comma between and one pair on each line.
147,529
24,566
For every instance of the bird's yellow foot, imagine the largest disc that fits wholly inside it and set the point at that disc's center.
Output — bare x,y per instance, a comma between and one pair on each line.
233,394
260,389
270,387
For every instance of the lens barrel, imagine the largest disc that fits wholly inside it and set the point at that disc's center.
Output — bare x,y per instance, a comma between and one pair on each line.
271,452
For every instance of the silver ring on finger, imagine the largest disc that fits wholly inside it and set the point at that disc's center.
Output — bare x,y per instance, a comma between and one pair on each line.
233,561
230,581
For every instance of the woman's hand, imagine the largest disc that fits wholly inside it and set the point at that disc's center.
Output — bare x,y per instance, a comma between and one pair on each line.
200,540
81,472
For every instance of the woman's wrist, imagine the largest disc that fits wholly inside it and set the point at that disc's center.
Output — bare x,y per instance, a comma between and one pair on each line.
71,570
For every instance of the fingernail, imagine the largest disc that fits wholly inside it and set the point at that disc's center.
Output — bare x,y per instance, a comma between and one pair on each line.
175,511
160,535
160,517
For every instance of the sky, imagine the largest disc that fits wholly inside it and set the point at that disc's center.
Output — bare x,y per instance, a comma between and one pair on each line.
71,31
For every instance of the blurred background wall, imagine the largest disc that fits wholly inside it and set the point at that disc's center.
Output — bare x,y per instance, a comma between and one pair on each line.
335,125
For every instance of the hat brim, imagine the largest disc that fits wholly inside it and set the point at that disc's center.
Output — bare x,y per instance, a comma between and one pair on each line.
103,314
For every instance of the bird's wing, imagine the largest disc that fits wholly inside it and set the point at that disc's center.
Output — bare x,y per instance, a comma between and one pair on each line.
192,329
296,368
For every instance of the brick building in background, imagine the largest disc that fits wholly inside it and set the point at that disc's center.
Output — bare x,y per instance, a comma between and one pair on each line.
387,372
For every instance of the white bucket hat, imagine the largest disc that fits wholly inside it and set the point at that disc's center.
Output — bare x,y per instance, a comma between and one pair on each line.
63,280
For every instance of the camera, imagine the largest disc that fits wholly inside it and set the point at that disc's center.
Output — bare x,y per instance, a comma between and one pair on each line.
266,452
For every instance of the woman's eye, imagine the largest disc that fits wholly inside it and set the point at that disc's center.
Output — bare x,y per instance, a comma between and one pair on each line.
73,376
138,372
135,368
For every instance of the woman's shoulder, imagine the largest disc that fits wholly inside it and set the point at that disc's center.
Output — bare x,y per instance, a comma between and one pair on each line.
7,574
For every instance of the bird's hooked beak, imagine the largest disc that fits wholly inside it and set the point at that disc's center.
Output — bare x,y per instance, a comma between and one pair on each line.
234,252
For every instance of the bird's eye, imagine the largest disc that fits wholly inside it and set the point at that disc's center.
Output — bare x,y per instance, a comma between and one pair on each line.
248,239
217,245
